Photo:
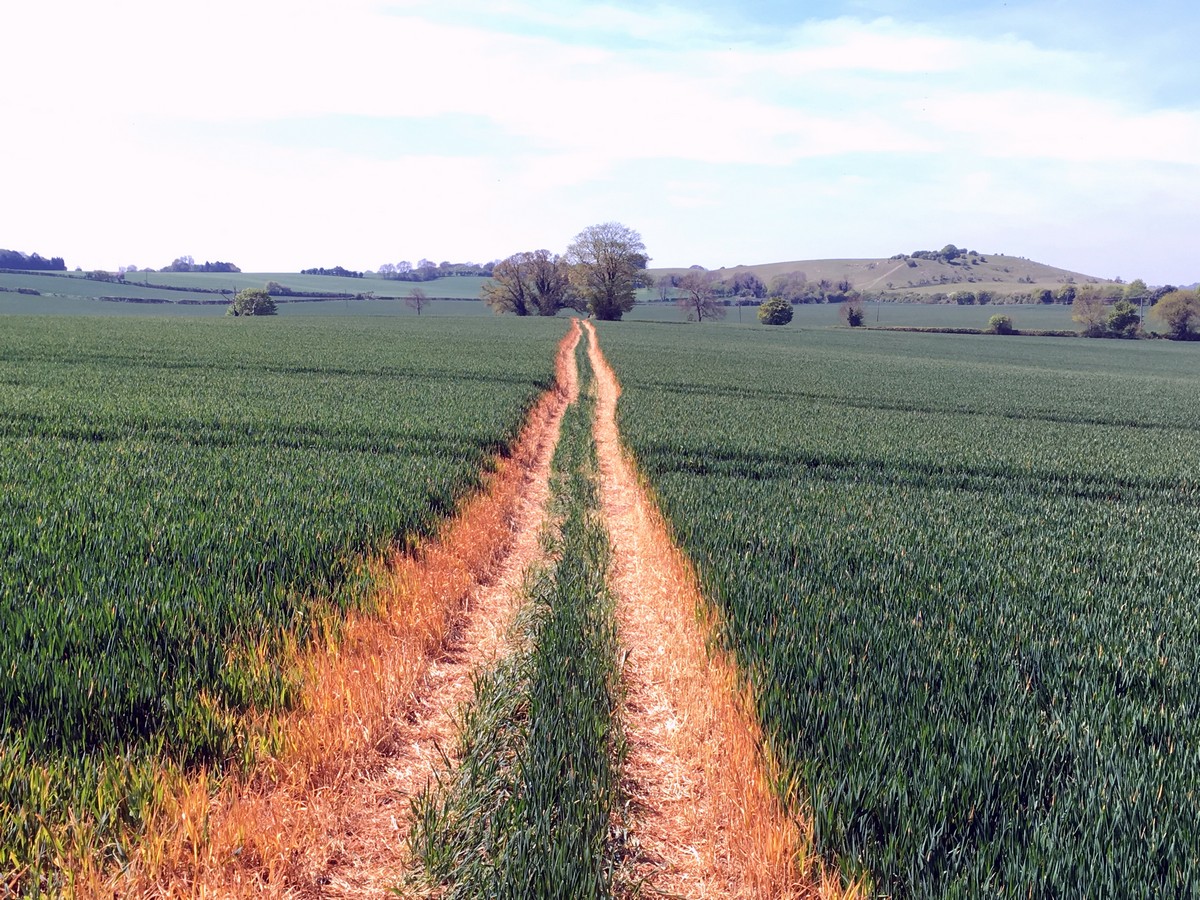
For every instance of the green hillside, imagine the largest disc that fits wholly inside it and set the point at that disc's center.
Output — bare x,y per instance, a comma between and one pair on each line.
910,275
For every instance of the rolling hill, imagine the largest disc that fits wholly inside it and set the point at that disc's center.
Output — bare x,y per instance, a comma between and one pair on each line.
919,276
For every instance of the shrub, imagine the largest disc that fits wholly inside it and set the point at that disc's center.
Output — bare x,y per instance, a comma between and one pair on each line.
1001,324
775,311
853,313
1123,320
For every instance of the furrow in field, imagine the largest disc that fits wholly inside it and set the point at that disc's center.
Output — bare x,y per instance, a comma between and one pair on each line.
702,810
329,815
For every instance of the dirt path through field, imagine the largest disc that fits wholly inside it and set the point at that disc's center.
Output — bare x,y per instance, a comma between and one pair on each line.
704,816
375,819
329,817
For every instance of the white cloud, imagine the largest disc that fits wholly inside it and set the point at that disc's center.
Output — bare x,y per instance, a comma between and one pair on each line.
1047,124
913,122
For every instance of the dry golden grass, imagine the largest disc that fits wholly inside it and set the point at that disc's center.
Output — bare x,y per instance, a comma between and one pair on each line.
325,813
705,818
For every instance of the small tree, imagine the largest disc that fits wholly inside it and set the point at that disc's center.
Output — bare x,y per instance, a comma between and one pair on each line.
1123,320
666,287
1180,312
1136,291
775,311
697,297
252,302
853,313
1089,310
417,299
1000,324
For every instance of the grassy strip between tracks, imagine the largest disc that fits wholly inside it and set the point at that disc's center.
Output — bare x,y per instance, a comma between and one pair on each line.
529,809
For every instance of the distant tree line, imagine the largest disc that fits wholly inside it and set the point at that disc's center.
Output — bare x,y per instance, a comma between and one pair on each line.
336,270
747,289
33,262
428,270
1135,292
187,264
948,254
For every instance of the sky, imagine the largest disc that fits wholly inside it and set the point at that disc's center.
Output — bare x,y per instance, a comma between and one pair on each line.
284,134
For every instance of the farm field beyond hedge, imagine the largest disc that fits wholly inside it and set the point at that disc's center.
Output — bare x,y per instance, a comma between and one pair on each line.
183,501
963,577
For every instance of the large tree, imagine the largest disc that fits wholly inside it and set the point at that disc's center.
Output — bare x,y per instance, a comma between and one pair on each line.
1180,312
698,298
550,279
510,290
606,263
527,283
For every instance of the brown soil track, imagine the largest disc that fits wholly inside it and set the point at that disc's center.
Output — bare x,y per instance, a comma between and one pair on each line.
328,817
702,810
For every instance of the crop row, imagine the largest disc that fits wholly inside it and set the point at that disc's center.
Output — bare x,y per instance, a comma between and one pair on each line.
964,590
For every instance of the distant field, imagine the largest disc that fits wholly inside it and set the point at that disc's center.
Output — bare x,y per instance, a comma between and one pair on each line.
74,286
455,286
182,499
960,574
1053,317
15,304
75,294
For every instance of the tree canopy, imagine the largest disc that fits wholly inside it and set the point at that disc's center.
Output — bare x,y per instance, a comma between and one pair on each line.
791,286
15,259
188,264
252,302
338,271
1180,312
509,291
606,263
1089,310
1123,320
530,283
550,279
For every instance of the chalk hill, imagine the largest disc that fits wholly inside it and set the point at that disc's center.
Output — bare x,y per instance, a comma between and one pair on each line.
930,274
